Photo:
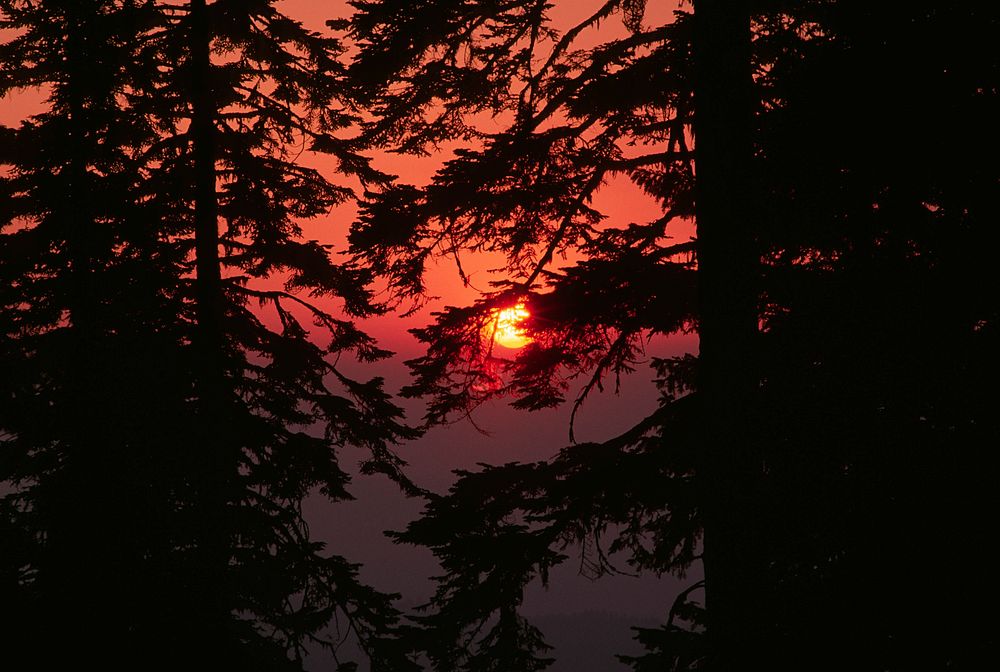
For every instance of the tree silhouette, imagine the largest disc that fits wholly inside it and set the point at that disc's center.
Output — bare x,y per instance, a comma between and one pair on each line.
89,319
845,319
727,328
828,452
159,435
871,310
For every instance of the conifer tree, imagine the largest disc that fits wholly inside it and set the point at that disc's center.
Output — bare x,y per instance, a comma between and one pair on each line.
249,89
160,433
727,329
94,386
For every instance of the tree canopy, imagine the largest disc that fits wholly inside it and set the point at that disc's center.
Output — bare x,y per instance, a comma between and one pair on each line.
171,392
865,220
170,340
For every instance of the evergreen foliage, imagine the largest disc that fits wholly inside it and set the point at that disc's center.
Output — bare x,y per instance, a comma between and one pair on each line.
169,339
866,205
167,404
94,382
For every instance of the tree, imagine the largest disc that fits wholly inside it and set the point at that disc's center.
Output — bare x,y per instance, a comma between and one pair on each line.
258,389
727,328
847,267
88,279
163,120
868,303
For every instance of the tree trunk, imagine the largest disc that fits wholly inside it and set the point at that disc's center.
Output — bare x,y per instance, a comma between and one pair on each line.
215,464
728,324
208,282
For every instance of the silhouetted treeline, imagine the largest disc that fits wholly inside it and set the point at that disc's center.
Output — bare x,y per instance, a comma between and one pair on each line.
169,392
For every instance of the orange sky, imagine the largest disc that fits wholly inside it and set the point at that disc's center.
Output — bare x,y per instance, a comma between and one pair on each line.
515,435
619,199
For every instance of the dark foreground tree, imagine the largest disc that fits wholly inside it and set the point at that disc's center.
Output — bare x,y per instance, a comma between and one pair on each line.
850,368
166,406
236,125
725,210
94,408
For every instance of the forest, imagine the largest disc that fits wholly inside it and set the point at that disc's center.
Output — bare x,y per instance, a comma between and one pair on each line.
221,219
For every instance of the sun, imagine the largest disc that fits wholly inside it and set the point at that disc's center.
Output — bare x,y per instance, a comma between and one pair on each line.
506,327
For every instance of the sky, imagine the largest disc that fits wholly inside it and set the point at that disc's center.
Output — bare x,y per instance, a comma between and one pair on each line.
586,620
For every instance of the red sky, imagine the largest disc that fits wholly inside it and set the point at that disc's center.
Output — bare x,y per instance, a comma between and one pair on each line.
515,435
619,199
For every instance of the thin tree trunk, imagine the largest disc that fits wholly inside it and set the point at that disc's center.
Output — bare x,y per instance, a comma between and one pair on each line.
76,561
215,463
728,324
208,282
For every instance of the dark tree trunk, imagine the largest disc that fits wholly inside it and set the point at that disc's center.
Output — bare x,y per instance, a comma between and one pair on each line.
728,324
208,282
215,463
76,536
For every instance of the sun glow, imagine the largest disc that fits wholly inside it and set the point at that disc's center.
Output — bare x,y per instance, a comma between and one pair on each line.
506,327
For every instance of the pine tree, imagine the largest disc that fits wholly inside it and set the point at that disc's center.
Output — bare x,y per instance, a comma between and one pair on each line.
159,434
727,330
245,84
88,302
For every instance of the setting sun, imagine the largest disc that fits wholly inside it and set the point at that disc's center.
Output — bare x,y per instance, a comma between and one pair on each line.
507,330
